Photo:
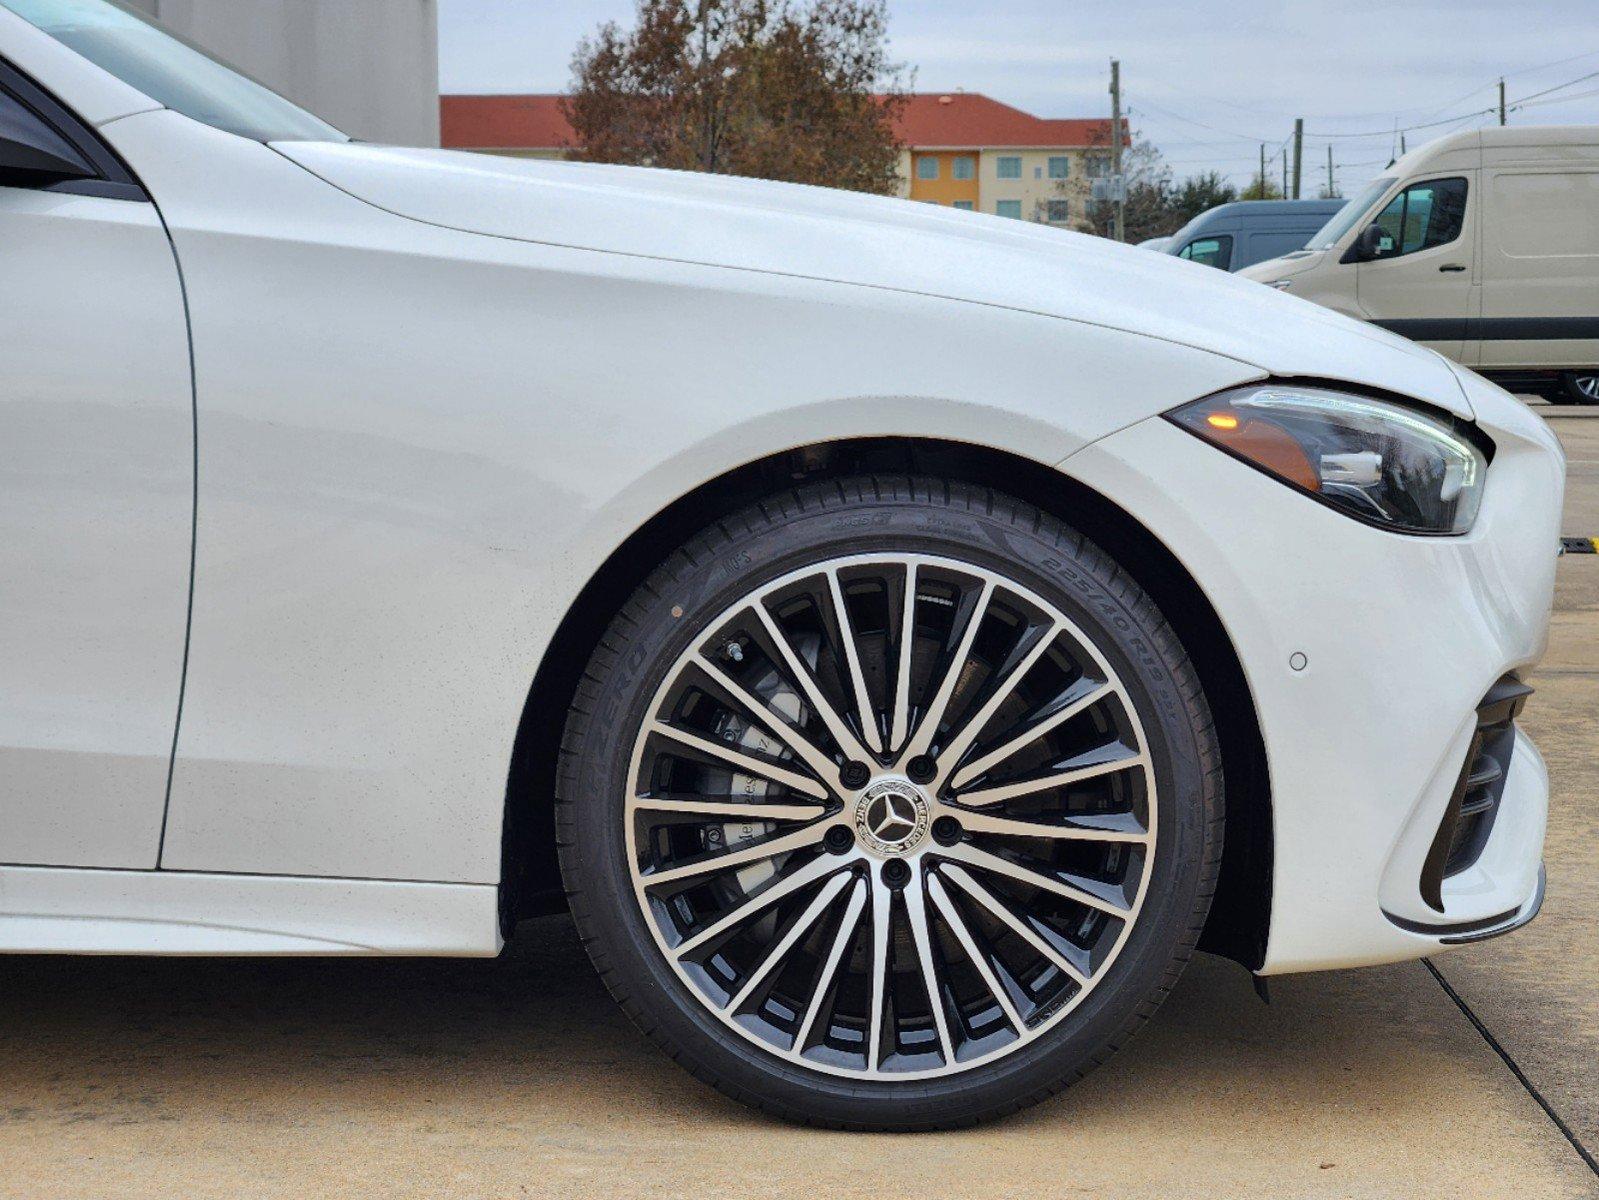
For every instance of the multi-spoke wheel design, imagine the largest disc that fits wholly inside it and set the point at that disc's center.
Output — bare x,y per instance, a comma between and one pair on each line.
891,816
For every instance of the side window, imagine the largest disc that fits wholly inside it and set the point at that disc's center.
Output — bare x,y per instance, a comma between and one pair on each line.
45,148
1422,216
32,154
1212,251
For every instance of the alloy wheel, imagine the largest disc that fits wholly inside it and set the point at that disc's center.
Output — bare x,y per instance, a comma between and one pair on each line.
891,816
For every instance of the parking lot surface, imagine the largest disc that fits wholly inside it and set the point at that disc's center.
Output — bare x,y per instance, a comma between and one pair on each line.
518,1077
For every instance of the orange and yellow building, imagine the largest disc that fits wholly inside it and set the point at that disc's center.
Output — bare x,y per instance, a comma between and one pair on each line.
961,149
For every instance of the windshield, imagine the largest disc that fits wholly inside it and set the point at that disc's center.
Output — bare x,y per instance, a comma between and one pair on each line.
1343,220
171,71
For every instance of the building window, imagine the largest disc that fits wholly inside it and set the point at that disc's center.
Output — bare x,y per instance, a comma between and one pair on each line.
964,167
964,205
1009,166
1060,210
1098,167
1059,167
927,167
1008,208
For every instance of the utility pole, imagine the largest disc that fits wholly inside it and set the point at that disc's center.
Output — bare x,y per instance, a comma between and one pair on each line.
1501,101
1332,187
1299,152
1285,170
1262,171
1119,228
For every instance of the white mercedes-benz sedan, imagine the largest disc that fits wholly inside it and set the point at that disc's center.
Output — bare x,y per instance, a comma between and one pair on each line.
900,637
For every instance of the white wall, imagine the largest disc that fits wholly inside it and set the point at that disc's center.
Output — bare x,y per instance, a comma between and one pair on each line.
368,67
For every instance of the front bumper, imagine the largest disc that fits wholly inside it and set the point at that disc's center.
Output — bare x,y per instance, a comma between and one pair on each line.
1402,638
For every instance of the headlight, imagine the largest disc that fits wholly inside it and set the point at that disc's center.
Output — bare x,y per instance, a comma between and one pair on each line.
1392,466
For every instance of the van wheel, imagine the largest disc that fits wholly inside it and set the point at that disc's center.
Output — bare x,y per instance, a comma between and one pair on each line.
889,803
1580,387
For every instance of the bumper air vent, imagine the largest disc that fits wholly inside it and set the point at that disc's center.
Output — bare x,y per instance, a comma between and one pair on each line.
1472,806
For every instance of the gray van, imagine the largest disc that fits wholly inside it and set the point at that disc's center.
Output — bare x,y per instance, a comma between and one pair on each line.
1238,235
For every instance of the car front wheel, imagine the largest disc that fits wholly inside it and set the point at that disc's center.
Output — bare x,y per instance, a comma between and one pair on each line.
889,803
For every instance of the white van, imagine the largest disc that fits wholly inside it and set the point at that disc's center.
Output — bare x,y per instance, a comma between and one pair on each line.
1483,245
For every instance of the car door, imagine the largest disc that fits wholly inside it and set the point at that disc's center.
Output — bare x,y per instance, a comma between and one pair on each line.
96,496
1420,283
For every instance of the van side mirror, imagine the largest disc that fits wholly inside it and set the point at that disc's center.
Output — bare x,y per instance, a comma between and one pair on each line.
1374,242
31,153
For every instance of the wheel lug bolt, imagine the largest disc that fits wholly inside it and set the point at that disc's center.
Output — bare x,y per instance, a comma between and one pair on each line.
896,872
946,831
838,839
855,774
921,769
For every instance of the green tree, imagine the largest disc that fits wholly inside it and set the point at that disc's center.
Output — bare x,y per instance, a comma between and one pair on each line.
1261,188
1200,193
778,89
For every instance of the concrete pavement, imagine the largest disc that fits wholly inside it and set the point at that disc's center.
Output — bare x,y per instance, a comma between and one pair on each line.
1538,992
518,1077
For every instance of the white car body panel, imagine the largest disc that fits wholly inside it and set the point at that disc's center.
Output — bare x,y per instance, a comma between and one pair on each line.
1396,668
95,526
178,912
436,392
425,485
817,233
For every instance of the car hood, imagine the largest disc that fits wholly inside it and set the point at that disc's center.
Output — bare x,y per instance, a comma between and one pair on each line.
874,241
1286,267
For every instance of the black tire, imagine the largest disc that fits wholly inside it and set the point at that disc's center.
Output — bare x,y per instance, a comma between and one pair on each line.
1579,387
900,515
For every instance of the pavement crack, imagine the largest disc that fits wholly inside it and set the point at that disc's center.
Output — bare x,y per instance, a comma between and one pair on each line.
1515,1069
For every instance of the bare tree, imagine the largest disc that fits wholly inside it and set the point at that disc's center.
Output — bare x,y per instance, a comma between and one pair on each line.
771,88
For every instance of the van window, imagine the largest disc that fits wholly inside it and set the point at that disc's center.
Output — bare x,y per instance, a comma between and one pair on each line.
1345,218
1548,213
1422,216
1212,251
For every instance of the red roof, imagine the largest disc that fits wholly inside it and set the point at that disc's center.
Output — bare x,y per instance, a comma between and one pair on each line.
503,123
973,120
953,119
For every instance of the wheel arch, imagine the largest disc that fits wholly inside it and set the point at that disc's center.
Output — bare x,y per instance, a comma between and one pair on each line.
1240,912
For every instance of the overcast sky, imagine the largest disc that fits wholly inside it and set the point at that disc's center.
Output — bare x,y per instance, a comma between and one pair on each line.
1206,80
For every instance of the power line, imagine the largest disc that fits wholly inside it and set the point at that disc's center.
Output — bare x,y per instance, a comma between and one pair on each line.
1560,86
1246,137
1452,120
1532,100
1462,116
1554,100
1423,109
